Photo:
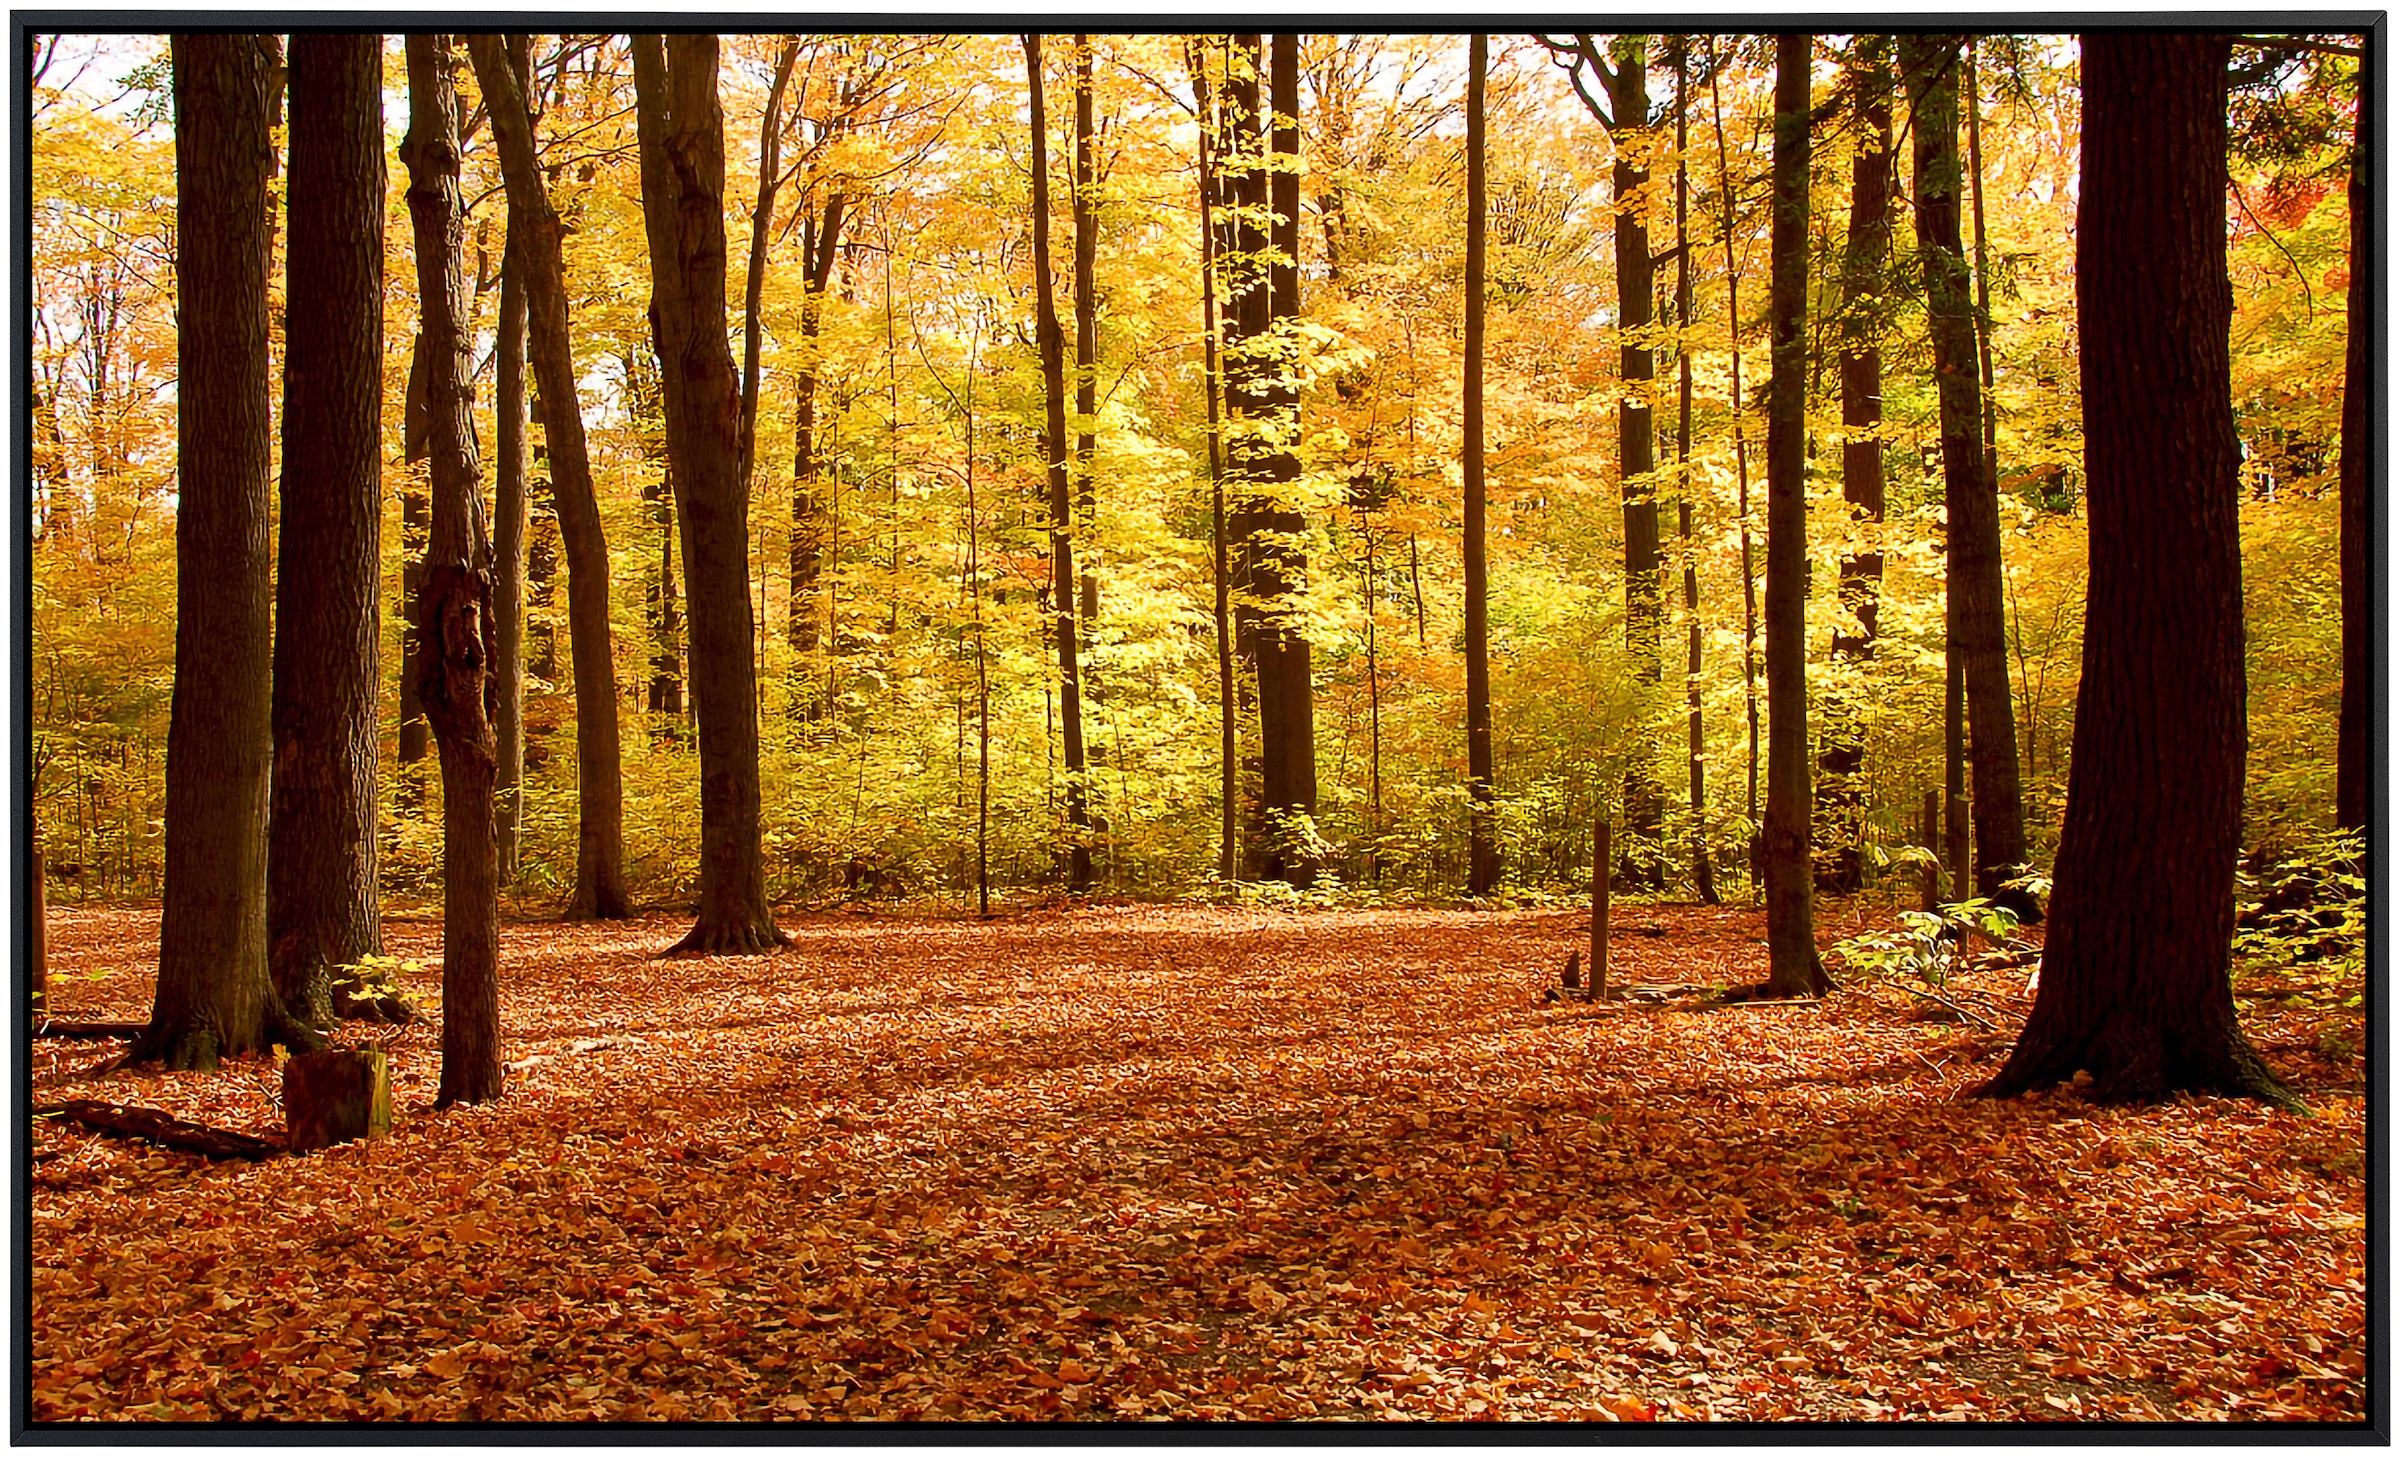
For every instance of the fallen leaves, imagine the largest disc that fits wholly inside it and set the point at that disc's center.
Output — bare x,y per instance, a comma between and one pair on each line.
1143,1163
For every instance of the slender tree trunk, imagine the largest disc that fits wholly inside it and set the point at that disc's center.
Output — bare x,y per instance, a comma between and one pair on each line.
812,509
2136,987
1794,968
1841,796
1639,864
664,697
215,997
1228,708
509,520
452,673
2352,761
1741,457
322,910
1086,216
1704,879
1076,857
683,189
1930,64
762,220
600,840
1483,861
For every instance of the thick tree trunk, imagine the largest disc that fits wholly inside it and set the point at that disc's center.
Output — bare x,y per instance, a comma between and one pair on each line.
600,810
1483,860
1841,796
2135,985
1278,562
1076,857
683,191
1228,714
453,672
1640,864
322,908
1794,968
1930,64
2352,764
215,997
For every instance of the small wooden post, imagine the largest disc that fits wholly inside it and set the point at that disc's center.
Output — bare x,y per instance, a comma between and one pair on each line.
1929,835
334,1097
1600,911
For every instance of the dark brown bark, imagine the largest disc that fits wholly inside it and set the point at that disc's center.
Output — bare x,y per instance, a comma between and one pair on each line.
1075,859
1483,859
762,220
215,997
660,598
2135,984
1639,861
1841,797
1228,709
600,891
1269,524
2351,758
812,507
510,517
1977,626
683,192
1794,968
453,671
322,907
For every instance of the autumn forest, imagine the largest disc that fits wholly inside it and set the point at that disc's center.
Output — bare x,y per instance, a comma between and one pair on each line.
1558,726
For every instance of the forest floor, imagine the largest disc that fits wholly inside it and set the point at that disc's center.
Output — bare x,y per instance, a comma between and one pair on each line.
1139,1162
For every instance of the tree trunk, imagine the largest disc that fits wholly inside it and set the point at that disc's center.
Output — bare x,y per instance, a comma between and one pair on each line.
683,190
1741,453
1228,710
322,909
1841,797
508,528
1930,64
1085,210
1483,860
664,697
1704,879
1278,563
812,513
1794,968
762,220
453,672
1639,861
600,891
2352,762
215,997
1076,857
2135,986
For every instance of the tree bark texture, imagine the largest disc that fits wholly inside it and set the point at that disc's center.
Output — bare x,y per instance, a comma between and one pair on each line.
322,905
1076,856
682,132
812,505
2352,763
600,891
1269,524
1637,442
1930,64
1794,968
1483,860
509,519
1841,796
454,668
2135,984
1704,877
215,997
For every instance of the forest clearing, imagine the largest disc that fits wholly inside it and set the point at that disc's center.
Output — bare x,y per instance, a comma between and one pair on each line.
1604,727
1142,1162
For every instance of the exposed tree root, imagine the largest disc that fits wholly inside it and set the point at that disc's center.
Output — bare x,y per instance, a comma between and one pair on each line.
164,1129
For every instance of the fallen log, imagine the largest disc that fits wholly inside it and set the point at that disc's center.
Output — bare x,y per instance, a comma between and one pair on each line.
152,1125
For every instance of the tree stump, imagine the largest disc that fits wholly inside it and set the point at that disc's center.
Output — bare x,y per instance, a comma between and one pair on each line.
334,1097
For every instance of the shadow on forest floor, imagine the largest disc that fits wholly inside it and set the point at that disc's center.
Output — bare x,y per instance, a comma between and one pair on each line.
1140,1162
